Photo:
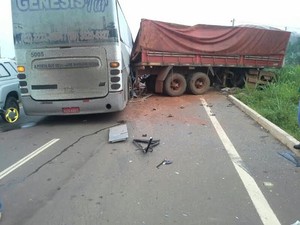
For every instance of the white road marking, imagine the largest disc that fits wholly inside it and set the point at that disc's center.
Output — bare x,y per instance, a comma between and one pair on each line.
15,166
262,206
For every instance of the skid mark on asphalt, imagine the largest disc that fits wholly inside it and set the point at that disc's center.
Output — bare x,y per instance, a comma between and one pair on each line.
262,206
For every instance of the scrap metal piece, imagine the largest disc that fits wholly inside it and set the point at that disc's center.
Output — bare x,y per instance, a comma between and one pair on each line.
118,133
150,144
164,162
167,162
137,144
160,164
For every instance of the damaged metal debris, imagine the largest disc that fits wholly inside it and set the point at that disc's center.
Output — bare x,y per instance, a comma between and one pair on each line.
118,133
150,144
164,162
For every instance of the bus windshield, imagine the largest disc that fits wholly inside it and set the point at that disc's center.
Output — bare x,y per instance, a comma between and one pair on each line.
64,23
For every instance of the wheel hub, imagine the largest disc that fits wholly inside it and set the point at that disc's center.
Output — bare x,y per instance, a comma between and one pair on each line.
199,83
11,115
175,85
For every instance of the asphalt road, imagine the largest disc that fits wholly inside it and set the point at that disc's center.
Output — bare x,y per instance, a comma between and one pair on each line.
225,168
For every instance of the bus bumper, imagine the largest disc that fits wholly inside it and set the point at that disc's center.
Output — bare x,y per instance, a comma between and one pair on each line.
113,102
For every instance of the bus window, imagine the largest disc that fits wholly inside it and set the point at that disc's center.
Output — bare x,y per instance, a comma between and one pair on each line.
124,28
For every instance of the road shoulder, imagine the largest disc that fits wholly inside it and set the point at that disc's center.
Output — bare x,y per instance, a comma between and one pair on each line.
276,131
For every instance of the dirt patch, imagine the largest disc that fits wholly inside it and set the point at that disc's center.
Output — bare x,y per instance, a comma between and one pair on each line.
157,109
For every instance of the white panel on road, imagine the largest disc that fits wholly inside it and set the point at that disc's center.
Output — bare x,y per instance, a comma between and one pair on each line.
118,133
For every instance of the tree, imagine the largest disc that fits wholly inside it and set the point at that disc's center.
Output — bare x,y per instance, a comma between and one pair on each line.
293,50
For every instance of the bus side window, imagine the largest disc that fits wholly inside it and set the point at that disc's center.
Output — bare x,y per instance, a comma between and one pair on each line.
124,28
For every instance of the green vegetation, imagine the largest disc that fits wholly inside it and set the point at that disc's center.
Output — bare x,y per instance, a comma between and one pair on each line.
293,50
277,101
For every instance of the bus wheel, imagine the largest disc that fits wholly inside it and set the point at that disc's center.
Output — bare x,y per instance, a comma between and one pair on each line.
198,83
175,84
11,110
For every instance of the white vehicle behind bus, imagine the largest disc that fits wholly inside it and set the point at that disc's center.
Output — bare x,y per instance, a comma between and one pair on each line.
9,91
73,56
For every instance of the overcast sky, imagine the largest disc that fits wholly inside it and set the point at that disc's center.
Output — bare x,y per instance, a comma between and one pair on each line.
280,14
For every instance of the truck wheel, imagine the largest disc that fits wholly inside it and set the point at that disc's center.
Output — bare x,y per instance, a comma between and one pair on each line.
198,83
11,110
175,84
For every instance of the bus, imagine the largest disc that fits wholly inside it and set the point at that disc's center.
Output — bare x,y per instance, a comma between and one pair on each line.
73,56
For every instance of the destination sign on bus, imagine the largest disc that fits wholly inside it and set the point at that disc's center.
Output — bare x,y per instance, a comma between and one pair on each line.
40,5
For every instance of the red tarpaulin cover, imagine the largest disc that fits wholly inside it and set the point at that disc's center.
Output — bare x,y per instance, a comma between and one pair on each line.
209,39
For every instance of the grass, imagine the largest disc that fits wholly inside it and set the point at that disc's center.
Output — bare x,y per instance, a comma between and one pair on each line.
277,101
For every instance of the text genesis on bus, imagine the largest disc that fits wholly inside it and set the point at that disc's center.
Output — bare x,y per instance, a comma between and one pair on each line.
36,5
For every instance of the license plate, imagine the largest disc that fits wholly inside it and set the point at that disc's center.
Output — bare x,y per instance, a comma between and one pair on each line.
70,110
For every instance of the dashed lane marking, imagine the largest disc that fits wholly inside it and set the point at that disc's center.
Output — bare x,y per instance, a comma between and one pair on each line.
15,166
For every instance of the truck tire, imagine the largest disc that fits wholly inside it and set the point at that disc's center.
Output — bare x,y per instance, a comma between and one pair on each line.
198,83
175,84
11,110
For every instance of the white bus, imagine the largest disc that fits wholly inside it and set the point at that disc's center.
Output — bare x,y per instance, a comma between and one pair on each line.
73,56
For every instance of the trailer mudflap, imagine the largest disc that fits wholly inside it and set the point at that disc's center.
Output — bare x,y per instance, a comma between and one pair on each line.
161,76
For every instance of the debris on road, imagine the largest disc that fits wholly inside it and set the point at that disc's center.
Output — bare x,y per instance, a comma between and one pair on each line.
296,223
268,184
118,133
228,90
150,144
164,162
291,157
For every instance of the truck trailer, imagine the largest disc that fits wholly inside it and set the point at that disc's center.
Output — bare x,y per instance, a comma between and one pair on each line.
179,58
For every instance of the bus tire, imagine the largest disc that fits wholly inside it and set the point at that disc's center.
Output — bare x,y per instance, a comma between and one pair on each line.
175,84
11,110
198,83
